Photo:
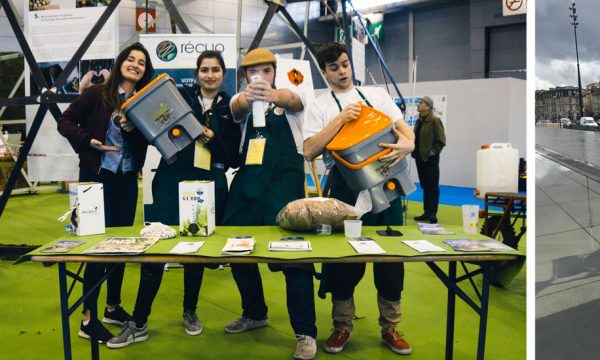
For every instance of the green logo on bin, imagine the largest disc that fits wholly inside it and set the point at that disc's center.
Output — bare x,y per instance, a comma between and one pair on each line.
166,50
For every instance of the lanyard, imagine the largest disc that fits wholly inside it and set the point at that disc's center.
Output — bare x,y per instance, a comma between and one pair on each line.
359,93
208,112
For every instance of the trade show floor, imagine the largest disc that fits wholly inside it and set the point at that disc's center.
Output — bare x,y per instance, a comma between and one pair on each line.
30,326
567,263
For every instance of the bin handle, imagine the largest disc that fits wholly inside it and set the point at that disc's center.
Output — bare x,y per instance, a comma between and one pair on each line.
360,165
500,146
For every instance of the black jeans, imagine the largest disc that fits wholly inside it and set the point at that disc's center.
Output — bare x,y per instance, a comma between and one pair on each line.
299,292
151,275
429,176
120,200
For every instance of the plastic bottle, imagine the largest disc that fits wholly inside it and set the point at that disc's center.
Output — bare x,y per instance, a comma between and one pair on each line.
258,109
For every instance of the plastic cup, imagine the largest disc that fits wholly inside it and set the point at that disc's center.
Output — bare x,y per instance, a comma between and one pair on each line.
470,214
352,228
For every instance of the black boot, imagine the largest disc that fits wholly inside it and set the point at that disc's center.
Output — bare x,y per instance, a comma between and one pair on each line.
423,217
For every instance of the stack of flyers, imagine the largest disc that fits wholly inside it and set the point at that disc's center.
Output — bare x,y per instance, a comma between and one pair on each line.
62,246
290,246
433,229
241,245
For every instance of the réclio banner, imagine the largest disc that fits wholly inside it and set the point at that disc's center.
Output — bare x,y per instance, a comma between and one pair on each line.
54,32
176,55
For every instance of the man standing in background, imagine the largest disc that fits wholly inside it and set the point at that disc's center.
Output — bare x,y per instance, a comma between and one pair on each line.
430,139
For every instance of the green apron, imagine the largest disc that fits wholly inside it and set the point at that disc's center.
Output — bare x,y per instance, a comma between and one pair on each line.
259,192
165,186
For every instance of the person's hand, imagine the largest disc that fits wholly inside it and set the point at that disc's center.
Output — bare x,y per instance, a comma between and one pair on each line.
104,73
260,90
86,81
206,136
400,149
126,125
97,144
349,113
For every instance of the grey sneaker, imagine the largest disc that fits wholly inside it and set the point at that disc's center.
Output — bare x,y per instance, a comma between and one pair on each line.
243,323
306,348
128,335
191,323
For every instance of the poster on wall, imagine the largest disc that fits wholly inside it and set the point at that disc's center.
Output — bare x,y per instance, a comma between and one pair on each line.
54,30
176,55
440,103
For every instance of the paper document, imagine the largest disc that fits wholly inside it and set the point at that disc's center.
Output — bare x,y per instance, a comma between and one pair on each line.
186,247
423,246
290,246
366,247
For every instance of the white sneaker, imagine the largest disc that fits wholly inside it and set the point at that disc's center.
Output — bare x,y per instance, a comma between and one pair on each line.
306,348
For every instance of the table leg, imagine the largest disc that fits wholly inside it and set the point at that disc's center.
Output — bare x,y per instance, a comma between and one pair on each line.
485,299
64,309
451,311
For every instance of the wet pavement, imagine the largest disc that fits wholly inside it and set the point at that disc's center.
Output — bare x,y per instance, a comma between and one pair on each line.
567,247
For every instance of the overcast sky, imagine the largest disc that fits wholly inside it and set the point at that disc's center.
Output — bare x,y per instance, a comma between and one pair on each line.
555,43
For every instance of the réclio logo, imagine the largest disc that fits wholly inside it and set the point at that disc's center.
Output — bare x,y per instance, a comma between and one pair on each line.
166,50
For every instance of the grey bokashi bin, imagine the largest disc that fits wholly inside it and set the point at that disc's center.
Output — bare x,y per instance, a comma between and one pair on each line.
163,117
356,153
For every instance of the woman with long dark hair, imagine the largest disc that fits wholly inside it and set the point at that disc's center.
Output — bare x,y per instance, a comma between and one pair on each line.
111,151
208,158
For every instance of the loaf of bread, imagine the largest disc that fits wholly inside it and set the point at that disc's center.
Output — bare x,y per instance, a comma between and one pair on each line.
308,214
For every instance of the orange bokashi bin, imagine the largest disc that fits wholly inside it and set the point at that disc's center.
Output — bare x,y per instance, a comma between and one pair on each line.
357,152
356,144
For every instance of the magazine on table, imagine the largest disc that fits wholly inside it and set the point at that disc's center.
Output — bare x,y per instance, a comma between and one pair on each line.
476,245
241,245
423,246
290,246
433,229
122,245
62,246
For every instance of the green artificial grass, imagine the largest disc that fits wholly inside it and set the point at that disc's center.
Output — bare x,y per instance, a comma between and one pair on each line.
30,326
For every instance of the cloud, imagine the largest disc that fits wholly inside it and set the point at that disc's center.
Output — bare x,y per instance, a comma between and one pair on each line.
555,42
558,72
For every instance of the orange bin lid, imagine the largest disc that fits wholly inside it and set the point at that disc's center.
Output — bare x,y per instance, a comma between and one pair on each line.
142,90
369,122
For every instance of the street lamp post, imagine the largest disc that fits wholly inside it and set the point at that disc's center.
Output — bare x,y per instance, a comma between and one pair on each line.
575,23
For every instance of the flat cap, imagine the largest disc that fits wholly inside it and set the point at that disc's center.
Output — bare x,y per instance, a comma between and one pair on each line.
257,57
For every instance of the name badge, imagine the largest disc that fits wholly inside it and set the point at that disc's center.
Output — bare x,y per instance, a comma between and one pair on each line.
256,151
201,156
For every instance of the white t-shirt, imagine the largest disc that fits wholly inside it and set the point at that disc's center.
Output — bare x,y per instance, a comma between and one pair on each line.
324,108
295,120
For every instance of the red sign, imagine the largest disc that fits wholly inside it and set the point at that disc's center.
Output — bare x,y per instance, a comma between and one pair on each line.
140,19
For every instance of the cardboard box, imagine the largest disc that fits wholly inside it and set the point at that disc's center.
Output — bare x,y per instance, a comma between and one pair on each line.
196,208
88,216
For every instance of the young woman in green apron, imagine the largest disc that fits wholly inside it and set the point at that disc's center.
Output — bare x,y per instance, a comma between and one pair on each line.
270,176
208,158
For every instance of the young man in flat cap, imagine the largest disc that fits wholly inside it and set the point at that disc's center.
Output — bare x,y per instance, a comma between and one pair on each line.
430,139
271,175
329,112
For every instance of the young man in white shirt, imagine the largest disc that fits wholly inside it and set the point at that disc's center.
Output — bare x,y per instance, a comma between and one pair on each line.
329,112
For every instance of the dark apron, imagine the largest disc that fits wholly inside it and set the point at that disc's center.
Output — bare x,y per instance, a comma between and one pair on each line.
165,186
263,190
